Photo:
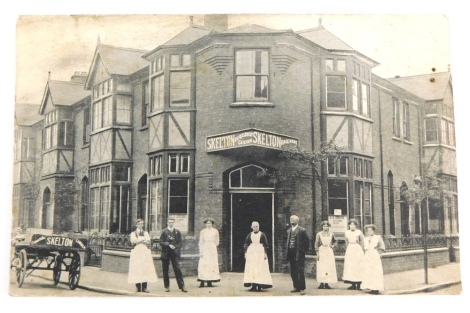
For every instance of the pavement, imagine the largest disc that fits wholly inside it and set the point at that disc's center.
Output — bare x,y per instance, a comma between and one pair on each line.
231,284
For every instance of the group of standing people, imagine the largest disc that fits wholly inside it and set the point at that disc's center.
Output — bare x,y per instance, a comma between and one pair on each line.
362,264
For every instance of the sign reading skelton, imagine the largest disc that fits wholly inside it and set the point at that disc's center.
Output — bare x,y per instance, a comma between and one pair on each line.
249,137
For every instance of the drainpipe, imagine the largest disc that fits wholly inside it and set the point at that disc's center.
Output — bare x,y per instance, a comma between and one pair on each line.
312,125
382,192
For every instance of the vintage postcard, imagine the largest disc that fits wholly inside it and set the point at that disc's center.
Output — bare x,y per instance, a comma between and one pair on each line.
234,155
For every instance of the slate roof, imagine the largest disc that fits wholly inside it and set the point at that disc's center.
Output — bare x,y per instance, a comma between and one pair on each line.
423,87
121,61
27,114
187,36
253,29
324,38
66,93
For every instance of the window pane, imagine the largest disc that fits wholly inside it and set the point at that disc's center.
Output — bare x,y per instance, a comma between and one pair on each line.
107,112
336,91
105,212
341,65
431,129
156,218
122,173
365,99
235,179
173,166
185,164
97,112
253,176
331,165
430,108
343,166
337,189
123,110
355,95
251,62
54,135
329,65
180,83
157,92
175,60
186,60
178,196
252,87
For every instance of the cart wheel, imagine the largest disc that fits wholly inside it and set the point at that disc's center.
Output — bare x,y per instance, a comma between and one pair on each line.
74,271
21,267
57,270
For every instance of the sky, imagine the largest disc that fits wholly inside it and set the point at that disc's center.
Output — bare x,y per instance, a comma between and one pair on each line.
403,44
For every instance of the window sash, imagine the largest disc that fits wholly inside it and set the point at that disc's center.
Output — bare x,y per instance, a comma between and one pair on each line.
155,210
336,91
396,118
355,95
123,110
430,126
180,88
158,92
365,99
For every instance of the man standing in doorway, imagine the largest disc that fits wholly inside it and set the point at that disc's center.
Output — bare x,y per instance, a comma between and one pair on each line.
171,241
298,243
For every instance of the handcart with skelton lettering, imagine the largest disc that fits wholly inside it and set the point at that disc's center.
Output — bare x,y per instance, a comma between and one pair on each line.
49,252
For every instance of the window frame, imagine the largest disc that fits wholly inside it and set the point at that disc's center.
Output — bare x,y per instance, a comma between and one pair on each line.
344,92
267,75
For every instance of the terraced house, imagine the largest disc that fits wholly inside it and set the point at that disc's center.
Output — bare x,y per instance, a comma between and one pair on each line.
196,127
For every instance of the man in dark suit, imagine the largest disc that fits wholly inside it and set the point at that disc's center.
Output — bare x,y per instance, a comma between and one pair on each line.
171,241
297,244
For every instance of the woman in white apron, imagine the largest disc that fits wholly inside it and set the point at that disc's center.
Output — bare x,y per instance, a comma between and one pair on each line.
373,270
354,257
208,267
326,266
257,273
141,267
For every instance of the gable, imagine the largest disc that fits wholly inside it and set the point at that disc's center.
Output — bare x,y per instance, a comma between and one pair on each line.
99,72
48,104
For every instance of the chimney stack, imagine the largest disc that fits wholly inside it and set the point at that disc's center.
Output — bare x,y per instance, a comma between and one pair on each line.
217,22
79,77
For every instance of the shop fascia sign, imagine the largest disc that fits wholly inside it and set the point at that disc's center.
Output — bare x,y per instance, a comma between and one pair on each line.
250,137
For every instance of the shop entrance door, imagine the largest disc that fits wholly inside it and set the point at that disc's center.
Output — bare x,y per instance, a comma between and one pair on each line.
246,208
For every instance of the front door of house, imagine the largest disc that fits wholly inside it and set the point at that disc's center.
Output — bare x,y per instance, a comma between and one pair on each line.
246,208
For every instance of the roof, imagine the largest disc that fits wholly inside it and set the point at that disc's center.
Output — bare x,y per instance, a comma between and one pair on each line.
27,114
121,61
428,86
66,93
253,29
324,38
187,36
117,60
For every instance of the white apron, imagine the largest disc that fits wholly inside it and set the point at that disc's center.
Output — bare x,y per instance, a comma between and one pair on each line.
256,266
373,273
326,267
141,267
354,257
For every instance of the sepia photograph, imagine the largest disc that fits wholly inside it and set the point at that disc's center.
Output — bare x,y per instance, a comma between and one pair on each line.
234,155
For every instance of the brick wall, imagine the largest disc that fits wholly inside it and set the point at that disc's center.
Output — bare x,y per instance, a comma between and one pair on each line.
392,262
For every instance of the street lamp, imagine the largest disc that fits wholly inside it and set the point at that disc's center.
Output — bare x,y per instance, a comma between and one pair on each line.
424,221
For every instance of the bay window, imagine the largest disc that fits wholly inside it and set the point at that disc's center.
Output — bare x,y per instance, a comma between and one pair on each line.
180,88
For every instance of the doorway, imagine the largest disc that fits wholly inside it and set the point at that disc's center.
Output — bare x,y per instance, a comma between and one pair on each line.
246,208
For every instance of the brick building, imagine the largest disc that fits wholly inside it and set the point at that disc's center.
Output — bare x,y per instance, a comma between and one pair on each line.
194,128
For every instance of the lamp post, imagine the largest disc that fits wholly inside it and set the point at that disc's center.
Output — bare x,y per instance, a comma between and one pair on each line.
424,221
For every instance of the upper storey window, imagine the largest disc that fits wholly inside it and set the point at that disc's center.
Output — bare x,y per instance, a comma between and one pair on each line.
336,92
332,65
252,70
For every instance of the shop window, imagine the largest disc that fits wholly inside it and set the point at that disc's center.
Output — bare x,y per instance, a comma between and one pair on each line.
252,70
336,92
